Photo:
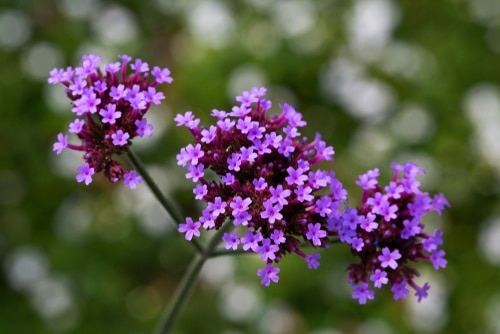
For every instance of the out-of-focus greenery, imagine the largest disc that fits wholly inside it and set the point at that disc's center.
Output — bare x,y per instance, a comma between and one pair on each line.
381,80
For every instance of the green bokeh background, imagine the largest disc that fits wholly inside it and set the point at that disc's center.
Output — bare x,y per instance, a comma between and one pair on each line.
381,80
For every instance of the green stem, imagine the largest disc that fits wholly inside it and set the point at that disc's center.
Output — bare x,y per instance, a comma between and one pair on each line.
164,201
224,252
171,313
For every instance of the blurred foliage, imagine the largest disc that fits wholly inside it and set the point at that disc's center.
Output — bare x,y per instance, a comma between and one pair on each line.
381,80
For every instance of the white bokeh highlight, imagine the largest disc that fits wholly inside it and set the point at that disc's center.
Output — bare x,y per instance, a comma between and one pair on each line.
488,240
115,25
211,23
482,107
15,29
370,27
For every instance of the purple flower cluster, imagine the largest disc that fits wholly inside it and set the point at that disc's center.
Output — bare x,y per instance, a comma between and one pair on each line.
265,181
387,233
110,106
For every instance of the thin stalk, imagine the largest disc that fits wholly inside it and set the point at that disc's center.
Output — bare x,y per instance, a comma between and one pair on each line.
179,298
164,201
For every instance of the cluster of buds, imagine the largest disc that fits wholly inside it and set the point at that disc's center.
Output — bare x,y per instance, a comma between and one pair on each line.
265,182
387,233
110,106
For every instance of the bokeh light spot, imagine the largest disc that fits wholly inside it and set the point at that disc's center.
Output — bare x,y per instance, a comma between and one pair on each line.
115,25
239,302
80,9
489,237
15,29
211,23
412,124
39,59
25,266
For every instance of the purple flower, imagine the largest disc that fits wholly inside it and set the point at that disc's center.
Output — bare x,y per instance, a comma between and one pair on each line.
394,190
268,274
279,195
323,206
412,228
56,76
278,237
85,173
110,115
433,242
152,96
144,128
388,258
295,176
312,261
399,290
232,240
200,191
131,179
315,233
271,212
194,153
217,207
187,120
368,180
139,66
362,293
195,172
78,86
388,211
76,126
120,138
267,250
439,202
260,184
190,228
251,241
244,125
357,244
60,144
379,277
304,194
234,162
113,67
367,222
100,86
228,179
225,125
113,104
162,75
378,201
247,98
208,135
438,260
117,92
422,292
87,103
240,205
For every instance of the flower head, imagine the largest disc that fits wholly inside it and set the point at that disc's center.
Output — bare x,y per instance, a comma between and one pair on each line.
389,224
266,180
111,105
